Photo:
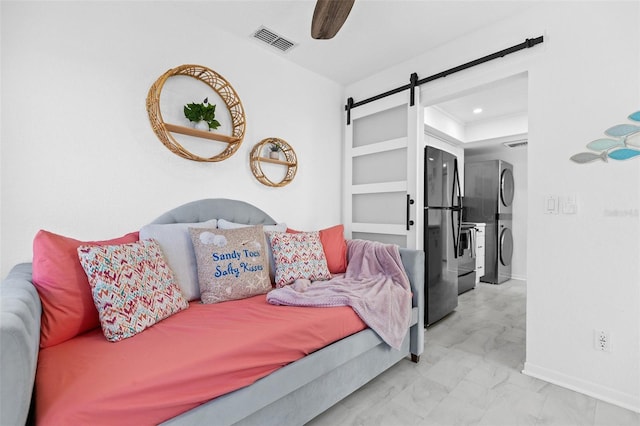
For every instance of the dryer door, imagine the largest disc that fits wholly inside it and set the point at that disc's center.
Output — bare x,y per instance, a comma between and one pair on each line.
506,187
506,246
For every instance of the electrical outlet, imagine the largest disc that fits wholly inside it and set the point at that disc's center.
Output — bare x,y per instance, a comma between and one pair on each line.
602,340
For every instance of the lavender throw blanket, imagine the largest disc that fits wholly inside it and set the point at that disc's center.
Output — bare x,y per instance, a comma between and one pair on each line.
375,285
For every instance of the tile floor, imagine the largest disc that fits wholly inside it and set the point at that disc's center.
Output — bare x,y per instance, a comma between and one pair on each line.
470,374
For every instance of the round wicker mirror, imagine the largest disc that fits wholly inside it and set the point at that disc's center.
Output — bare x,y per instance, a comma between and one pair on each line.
222,87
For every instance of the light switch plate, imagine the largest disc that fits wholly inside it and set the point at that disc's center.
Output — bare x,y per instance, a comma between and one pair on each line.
569,204
551,204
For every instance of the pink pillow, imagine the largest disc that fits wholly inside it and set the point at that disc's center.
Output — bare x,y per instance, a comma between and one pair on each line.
334,246
67,304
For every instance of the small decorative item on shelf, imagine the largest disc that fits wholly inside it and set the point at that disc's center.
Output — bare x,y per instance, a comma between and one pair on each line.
202,115
274,150
287,159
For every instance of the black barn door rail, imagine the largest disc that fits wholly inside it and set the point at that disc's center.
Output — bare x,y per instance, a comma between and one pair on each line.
414,81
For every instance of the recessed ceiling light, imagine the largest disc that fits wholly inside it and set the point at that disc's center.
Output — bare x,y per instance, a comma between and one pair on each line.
477,110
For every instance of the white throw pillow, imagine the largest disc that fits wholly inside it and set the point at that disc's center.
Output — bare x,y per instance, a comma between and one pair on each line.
175,241
225,224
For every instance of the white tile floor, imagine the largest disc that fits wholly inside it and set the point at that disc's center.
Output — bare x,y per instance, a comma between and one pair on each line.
470,374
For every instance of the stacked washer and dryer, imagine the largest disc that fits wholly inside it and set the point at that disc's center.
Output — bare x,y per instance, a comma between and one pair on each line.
489,190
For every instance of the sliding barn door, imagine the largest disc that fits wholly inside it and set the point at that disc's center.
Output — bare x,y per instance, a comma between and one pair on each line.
383,198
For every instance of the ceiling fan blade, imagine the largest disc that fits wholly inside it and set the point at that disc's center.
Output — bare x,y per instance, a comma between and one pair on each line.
328,17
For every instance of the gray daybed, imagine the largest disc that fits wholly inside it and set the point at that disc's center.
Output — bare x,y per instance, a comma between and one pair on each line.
291,395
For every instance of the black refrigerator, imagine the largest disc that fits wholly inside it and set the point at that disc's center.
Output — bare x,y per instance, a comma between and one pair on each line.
442,221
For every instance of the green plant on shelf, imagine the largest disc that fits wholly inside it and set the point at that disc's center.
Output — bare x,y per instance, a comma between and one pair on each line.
202,112
274,150
275,147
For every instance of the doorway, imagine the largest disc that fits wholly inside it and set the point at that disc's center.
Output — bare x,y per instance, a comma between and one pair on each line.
490,122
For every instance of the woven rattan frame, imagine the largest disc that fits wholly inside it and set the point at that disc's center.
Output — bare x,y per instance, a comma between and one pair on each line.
222,88
291,161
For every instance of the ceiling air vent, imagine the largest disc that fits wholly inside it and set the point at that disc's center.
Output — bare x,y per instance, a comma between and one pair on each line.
516,144
267,36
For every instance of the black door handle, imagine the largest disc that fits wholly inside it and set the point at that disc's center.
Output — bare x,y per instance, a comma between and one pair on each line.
409,221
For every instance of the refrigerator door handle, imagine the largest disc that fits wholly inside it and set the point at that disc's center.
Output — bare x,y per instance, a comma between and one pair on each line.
472,238
453,186
455,231
456,186
456,207
455,200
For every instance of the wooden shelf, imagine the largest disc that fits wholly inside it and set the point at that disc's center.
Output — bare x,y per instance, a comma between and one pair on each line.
200,133
274,161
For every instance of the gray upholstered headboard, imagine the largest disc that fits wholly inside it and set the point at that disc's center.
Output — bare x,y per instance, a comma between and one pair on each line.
216,208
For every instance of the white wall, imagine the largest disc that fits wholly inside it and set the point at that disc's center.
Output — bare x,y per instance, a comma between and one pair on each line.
583,270
438,119
509,125
78,154
475,131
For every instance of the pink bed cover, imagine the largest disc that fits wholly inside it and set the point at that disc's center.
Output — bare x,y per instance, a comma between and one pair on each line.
179,363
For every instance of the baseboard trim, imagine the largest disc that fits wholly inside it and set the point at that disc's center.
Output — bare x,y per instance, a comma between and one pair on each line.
603,393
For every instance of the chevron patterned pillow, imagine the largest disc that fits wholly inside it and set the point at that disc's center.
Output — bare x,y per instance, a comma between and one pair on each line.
297,256
132,286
